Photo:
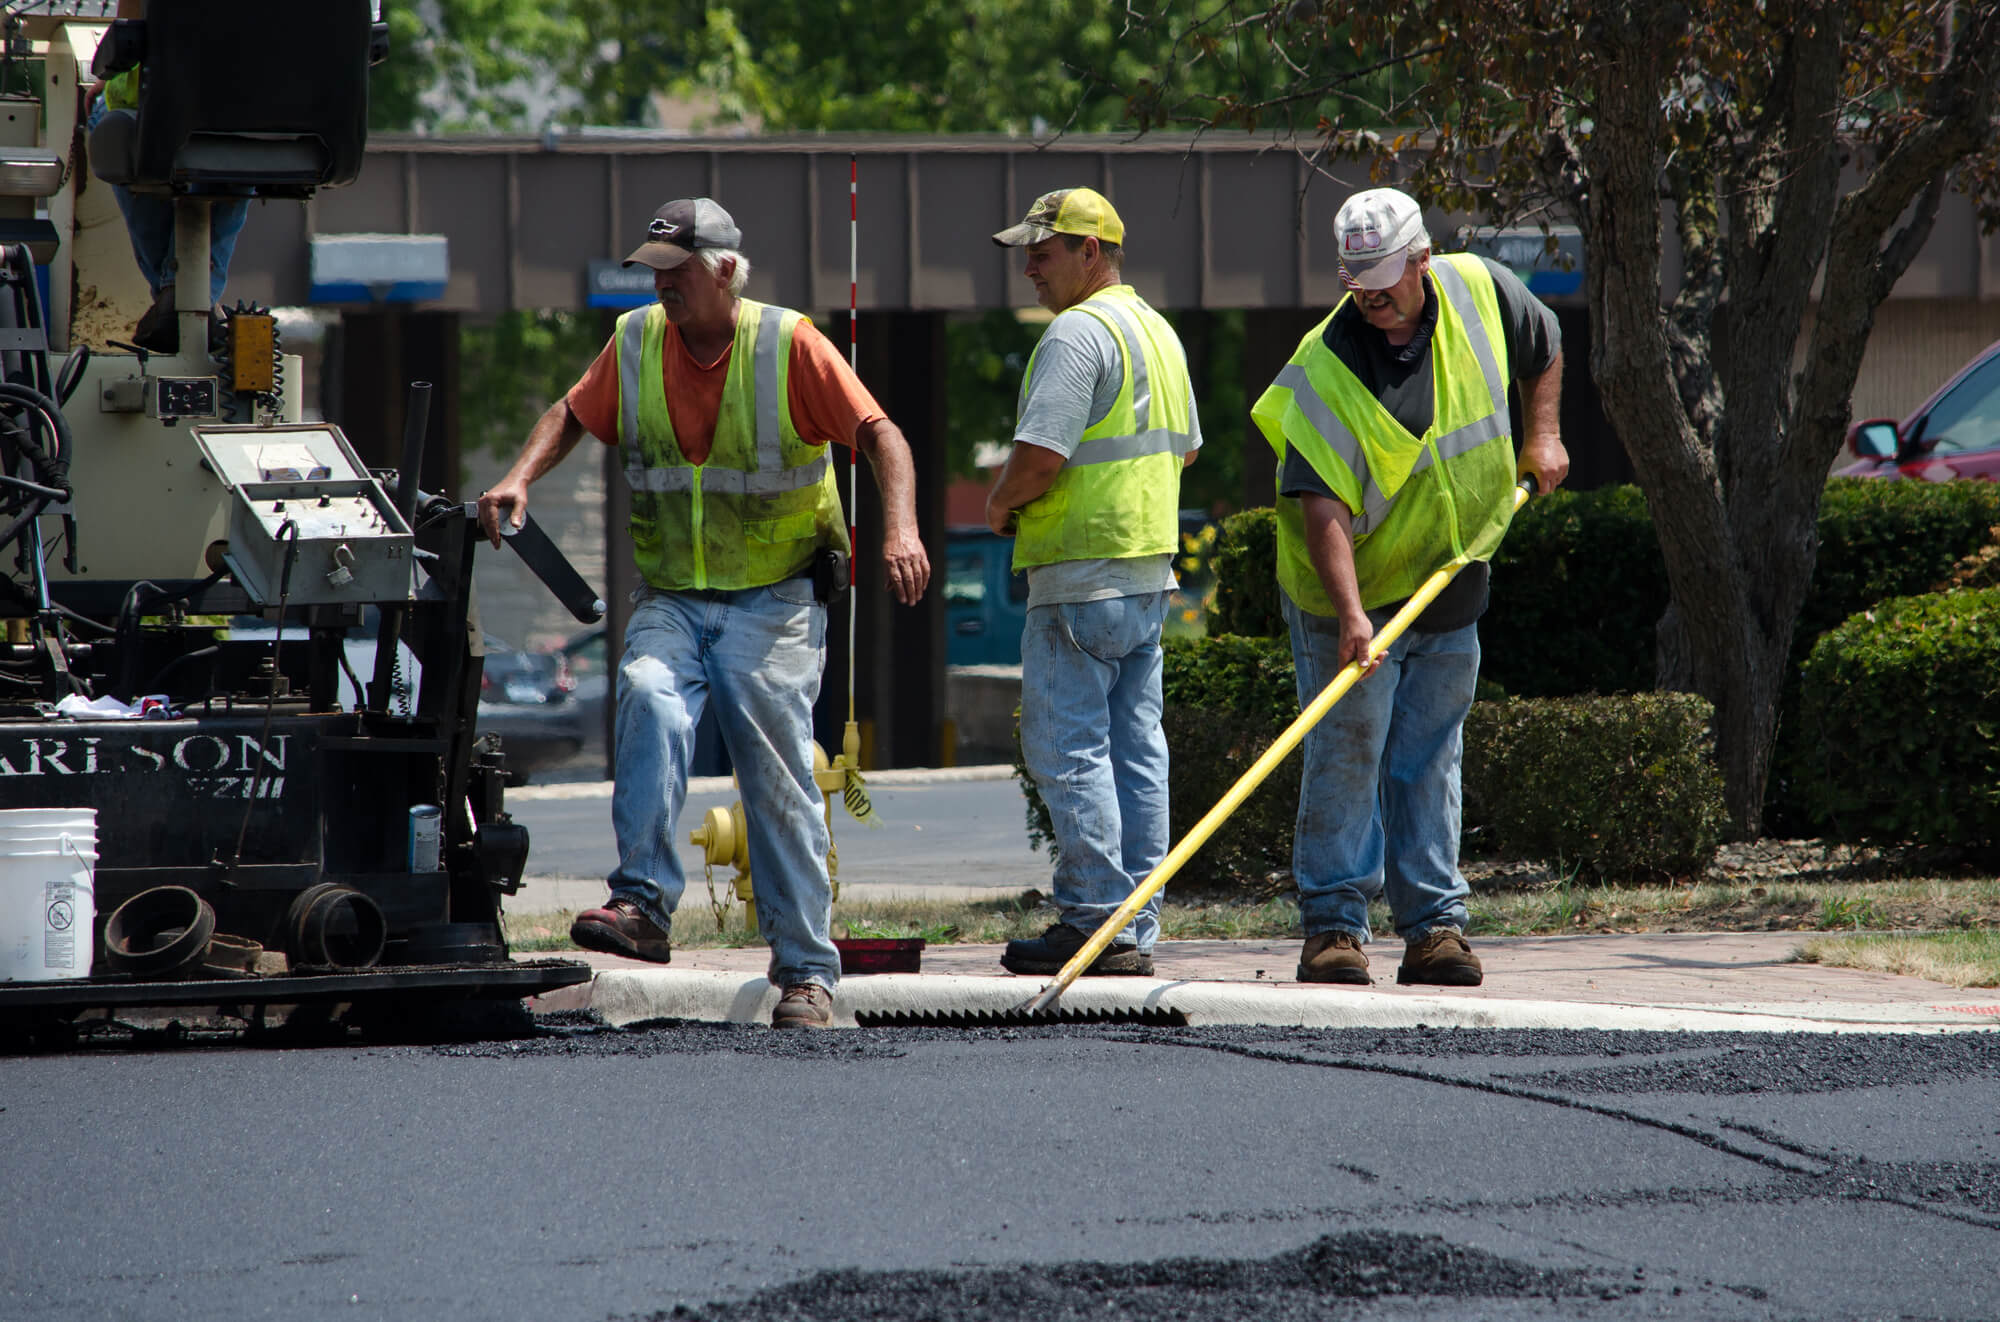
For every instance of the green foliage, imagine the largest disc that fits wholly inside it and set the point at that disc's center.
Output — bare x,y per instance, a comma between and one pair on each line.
1881,539
1228,698
1214,344
909,66
1619,788
1244,677
514,367
987,355
468,64
1898,716
1246,576
1578,586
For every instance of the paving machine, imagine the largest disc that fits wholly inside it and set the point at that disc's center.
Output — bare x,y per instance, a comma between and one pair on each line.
251,657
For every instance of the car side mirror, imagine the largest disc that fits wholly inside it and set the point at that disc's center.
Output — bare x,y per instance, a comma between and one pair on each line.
1874,439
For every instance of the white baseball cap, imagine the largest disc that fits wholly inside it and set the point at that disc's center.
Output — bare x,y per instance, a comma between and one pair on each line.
1376,230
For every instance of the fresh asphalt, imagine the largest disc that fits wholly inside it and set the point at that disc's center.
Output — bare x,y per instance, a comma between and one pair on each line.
731,1173
1397,1168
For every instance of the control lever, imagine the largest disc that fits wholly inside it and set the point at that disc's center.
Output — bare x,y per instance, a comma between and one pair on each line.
548,563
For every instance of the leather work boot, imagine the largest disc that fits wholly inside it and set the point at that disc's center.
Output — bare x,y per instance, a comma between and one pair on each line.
804,1005
620,929
1054,948
1441,958
1334,957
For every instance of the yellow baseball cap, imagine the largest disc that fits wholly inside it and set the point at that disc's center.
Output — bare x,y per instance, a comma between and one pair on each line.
1081,211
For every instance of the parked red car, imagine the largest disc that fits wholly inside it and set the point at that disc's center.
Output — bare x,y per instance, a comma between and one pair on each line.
1954,433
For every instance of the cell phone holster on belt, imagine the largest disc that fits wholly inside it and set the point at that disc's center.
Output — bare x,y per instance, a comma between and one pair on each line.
829,570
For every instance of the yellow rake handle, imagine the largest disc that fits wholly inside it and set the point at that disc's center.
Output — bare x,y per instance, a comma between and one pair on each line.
1349,675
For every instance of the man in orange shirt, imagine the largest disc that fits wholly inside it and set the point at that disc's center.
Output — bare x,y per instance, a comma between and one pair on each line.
723,407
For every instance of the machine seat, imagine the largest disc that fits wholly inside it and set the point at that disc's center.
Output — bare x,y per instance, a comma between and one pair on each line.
238,98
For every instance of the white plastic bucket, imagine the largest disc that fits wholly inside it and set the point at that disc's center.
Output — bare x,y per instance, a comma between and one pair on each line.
17,819
48,907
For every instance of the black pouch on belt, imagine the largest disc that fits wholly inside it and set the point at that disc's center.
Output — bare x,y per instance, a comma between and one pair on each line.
829,570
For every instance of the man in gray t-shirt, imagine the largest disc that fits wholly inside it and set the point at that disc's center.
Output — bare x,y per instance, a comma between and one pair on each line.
1091,495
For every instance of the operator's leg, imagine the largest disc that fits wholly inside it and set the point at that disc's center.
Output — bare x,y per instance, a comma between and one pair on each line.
1337,837
1139,759
149,223
225,223
763,665
1072,656
1421,805
661,692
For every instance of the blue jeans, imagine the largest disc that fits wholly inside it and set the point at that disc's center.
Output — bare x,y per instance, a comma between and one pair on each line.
1379,805
1091,738
758,653
149,223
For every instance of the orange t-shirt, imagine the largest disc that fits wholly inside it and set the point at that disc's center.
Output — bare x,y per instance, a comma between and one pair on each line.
828,401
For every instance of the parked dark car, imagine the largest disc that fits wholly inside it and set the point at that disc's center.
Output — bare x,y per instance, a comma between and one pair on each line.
1954,433
527,700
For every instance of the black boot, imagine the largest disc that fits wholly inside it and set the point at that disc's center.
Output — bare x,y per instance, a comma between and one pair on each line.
1054,948
159,331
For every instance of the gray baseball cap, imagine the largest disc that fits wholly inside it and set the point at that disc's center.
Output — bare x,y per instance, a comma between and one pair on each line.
680,227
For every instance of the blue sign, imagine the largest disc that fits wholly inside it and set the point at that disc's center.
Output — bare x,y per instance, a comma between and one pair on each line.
615,285
379,268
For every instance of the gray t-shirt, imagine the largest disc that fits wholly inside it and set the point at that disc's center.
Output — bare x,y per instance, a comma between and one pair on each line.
1077,374
1401,377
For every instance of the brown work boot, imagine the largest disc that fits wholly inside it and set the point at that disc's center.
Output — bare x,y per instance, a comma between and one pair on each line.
804,1005
620,929
1441,958
1334,957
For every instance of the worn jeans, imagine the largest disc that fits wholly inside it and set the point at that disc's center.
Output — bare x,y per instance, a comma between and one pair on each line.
758,654
1379,805
1091,738
149,223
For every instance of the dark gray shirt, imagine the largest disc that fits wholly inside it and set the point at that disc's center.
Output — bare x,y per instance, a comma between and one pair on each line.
1400,376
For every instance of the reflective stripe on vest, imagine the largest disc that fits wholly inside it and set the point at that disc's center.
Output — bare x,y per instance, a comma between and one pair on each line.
1067,521
1472,403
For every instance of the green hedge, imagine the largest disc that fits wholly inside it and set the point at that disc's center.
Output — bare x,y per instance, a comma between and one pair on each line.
1618,788
1246,576
1579,585
1899,708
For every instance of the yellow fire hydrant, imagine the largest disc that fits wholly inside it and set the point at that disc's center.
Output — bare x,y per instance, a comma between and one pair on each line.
724,838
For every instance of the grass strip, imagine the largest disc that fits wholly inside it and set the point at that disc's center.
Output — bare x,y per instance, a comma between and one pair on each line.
1960,959
1543,908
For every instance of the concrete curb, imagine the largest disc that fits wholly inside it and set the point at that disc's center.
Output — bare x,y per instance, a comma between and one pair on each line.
625,996
601,789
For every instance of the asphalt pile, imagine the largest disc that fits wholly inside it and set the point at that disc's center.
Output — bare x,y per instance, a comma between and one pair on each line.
1322,1279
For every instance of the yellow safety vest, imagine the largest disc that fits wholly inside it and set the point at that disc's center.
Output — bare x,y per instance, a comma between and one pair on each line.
1418,501
754,512
1118,494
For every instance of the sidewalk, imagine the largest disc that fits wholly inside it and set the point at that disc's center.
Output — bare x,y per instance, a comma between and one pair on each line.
1697,982
1718,981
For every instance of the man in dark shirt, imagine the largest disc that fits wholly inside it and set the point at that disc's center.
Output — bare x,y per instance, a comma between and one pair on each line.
1391,422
